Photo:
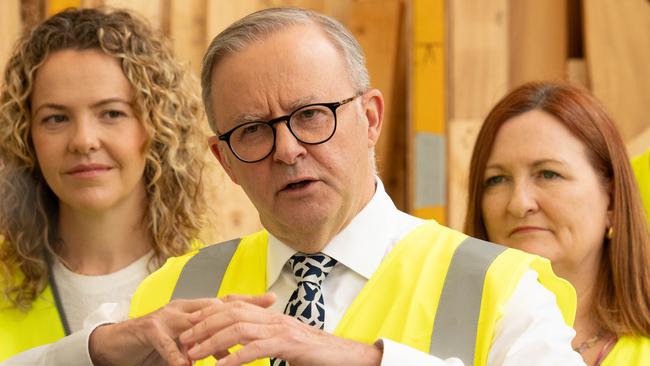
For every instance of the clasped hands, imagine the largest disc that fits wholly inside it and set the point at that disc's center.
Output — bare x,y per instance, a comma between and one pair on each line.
187,330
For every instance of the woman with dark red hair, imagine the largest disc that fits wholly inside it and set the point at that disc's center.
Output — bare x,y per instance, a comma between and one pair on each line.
550,175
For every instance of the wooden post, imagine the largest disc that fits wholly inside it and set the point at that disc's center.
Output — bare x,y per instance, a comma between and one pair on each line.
429,151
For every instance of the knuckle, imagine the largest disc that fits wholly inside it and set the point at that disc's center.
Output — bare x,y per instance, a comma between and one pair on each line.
277,317
239,328
202,326
176,303
286,320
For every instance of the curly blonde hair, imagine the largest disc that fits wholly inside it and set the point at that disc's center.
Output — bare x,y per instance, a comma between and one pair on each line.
166,102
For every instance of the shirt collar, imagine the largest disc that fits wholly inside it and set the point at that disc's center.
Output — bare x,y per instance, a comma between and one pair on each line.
360,246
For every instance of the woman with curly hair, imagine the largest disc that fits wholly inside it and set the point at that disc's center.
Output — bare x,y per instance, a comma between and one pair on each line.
550,175
101,157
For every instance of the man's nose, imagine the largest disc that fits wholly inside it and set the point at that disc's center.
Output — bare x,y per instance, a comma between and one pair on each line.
287,148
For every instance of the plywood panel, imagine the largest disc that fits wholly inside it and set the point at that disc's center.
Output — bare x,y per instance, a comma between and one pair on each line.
222,13
618,57
10,26
462,135
577,72
233,215
381,45
538,40
316,5
479,59
33,12
640,143
230,212
150,9
479,56
187,28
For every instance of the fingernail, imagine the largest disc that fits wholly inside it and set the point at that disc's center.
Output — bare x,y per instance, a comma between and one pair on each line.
195,316
194,351
186,336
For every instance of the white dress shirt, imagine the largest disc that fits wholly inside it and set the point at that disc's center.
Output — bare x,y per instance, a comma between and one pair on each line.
530,332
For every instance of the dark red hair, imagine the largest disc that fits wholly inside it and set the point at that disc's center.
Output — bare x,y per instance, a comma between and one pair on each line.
622,293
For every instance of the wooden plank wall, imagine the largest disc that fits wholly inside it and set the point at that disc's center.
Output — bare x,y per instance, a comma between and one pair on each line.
496,45
10,27
491,46
191,24
478,77
617,45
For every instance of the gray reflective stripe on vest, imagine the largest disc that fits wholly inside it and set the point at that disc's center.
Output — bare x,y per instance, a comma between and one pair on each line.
456,324
203,273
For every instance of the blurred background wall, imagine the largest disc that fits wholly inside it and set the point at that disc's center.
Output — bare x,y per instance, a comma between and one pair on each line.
440,64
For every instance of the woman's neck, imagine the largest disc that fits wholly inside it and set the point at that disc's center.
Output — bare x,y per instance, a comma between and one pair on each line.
591,340
584,281
96,243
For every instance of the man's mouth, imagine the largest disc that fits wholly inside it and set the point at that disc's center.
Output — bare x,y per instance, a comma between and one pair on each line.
298,184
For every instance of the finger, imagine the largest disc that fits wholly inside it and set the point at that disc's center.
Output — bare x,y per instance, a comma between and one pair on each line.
169,351
252,351
264,301
217,318
222,354
238,333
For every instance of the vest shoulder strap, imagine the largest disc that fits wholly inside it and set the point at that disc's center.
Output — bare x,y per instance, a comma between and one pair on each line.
456,321
209,263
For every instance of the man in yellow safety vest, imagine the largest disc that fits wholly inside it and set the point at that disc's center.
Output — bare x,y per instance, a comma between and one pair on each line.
348,278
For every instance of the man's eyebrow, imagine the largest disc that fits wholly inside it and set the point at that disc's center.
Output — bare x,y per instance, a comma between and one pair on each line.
296,104
310,99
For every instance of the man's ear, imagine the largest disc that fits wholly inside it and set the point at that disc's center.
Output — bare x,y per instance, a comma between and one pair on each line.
221,155
373,109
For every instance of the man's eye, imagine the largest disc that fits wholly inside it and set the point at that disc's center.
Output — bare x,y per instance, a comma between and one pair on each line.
308,114
250,129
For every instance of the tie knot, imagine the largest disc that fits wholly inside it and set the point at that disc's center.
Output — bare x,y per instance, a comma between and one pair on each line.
311,267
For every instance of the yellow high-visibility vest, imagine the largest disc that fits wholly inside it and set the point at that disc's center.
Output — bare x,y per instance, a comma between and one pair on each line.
412,298
43,323
20,331
641,166
629,350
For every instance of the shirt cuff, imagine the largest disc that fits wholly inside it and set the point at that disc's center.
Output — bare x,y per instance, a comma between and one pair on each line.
397,354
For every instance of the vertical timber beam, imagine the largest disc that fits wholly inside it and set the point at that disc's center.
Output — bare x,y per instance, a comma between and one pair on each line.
428,111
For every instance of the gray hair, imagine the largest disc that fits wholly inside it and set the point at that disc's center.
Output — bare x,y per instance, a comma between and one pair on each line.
263,23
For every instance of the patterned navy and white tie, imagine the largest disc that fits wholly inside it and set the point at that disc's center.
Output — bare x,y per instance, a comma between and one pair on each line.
306,302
